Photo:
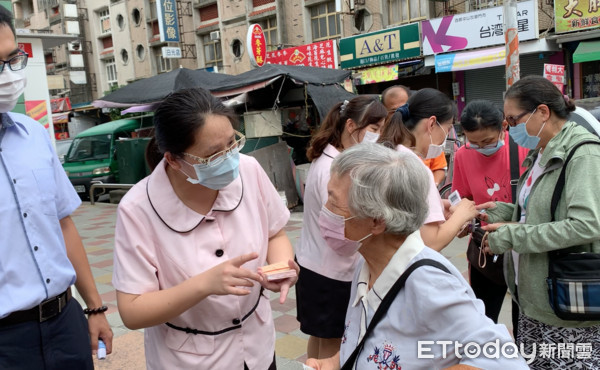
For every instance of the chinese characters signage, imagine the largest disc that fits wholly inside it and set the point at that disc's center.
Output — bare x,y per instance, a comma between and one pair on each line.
167,20
379,74
37,110
575,15
170,52
555,73
482,58
381,47
257,45
476,29
319,54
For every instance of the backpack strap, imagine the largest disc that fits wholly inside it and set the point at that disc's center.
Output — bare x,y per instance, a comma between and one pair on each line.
386,303
560,184
513,155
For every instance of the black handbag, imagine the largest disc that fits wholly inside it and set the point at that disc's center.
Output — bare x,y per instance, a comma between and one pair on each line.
386,303
573,278
484,263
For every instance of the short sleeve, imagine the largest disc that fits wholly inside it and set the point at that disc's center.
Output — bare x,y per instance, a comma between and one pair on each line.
65,198
135,266
459,181
439,163
434,201
278,214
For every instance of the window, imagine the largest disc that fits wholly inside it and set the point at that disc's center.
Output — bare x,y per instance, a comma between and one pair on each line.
212,51
121,22
111,73
136,16
325,22
162,64
104,17
405,11
141,52
124,56
269,27
237,48
153,10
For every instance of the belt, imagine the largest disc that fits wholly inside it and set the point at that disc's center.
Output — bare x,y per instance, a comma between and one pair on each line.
46,310
237,323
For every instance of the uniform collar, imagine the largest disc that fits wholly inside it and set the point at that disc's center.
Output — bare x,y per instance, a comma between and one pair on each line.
6,121
412,246
331,151
175,214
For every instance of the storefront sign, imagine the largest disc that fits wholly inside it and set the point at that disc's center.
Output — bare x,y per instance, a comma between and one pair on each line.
380,47
574,15
470,60
170,52
476,29
319,54
167,20
379,74
36,109
555,73
257,45
26,47
60,105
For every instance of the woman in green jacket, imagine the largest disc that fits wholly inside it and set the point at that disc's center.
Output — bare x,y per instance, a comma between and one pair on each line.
537,114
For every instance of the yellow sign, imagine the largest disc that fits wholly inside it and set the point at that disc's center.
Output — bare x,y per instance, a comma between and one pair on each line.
379,74
576,15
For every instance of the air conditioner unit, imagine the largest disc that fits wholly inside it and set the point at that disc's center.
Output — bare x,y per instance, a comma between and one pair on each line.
74,46
215,36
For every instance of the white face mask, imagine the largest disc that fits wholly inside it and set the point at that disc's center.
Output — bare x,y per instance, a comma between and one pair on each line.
434,150
370,137
12,85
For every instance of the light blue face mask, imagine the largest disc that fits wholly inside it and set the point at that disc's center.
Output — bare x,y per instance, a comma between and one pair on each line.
491,150
521,136
219,176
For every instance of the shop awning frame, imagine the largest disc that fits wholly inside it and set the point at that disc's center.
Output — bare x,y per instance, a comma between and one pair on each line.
587,51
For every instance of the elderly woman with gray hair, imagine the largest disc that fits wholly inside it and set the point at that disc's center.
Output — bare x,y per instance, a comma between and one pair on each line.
410,307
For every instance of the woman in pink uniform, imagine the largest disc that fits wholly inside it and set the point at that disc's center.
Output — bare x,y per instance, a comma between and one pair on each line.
323,289
189,240
422,125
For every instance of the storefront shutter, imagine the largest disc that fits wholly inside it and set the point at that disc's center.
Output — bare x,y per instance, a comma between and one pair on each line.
488,83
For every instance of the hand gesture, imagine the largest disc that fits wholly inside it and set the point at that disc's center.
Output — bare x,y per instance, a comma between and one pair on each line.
98,327
465,210
229,276
482,207
331,363
283,285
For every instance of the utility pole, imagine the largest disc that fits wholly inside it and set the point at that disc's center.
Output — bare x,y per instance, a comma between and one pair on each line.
511,39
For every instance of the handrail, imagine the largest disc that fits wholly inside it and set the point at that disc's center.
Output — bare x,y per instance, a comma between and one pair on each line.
100,184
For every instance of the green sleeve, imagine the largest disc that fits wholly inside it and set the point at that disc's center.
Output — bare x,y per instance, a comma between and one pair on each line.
580,226
503,212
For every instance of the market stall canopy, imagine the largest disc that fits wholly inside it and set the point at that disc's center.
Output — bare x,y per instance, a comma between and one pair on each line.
300,75
325,97
155,88
587,51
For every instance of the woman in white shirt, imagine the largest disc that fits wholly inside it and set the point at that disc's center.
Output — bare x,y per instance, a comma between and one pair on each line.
375,208
323,288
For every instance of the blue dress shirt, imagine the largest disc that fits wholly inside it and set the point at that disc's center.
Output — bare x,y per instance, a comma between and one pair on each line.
36,194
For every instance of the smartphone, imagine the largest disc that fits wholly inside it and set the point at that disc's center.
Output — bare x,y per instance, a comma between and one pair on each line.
454,198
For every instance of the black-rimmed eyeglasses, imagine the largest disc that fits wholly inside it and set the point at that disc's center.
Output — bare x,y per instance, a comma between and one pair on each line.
16,63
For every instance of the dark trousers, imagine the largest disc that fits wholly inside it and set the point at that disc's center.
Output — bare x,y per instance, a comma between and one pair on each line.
489,292
59,343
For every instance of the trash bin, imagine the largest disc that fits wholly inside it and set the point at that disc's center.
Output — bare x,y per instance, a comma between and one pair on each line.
131,159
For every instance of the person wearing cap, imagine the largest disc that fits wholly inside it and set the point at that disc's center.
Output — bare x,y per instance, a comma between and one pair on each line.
41,326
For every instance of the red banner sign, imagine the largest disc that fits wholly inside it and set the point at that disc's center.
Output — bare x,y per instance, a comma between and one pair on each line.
555,73
26,47
60,105
319,54
257,45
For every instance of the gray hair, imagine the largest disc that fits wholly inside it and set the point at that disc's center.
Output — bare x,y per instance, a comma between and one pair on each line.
386,185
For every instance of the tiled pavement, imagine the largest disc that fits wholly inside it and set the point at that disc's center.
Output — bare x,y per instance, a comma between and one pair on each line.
96,225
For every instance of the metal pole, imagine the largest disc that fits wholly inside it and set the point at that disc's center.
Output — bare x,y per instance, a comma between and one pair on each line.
511,38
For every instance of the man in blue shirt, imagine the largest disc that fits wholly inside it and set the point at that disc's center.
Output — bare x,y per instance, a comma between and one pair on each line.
41,253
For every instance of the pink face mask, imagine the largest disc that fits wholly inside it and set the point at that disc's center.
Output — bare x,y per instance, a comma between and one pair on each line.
333,231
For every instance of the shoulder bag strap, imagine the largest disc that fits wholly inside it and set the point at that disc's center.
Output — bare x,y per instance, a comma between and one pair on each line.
560,184
386,302
513,154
